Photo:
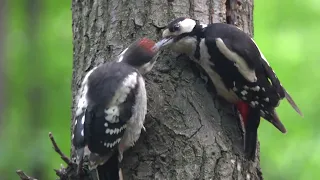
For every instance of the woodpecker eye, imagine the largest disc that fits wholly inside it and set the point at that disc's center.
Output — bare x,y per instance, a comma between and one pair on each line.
176,27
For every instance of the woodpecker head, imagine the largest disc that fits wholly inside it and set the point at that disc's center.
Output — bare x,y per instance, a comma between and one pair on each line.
181,33
140,54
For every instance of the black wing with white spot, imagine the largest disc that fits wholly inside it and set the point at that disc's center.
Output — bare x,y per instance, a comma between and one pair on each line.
236,40
104,130
78,131
240,43
261,93
82,104
277,84
111,95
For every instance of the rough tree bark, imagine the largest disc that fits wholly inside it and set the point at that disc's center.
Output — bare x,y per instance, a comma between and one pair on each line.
190,133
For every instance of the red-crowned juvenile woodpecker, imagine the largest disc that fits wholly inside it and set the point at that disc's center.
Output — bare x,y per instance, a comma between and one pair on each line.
237,68
111,109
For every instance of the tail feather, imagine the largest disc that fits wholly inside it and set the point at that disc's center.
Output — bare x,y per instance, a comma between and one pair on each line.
274,119
110,170
79,159
292,103
78,139
251,127
94,174
277,123
79,154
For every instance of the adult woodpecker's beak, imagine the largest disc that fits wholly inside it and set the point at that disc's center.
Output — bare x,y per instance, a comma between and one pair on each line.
167,39
162,43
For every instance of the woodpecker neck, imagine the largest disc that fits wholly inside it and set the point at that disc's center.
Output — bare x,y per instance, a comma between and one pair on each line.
199,32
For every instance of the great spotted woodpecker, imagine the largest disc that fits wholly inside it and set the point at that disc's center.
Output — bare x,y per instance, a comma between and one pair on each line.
111,109
237,68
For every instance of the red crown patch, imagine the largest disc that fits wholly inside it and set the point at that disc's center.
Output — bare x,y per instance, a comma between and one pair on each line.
146,43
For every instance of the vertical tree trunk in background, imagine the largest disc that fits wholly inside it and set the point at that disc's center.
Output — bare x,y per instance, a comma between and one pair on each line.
35,92
3,5
189,135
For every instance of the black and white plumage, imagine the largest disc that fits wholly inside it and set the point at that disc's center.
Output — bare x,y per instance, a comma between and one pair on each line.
237,68
111,108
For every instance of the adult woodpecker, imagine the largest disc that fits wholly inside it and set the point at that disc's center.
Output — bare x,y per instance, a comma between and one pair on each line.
237,68
111,109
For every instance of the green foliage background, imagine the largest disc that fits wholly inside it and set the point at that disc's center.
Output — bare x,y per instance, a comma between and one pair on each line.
38,72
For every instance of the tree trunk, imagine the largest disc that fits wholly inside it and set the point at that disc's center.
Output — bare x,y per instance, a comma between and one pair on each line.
190,134
3,14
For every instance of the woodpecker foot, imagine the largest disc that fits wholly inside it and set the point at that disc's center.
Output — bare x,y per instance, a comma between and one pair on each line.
203,80
94,174
204,77
235,111
79,168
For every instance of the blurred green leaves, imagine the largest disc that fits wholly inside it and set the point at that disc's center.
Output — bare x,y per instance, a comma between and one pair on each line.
38,72
288,34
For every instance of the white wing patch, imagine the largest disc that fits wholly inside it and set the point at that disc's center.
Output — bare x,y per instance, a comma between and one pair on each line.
110,145
206,64
129,83
244,92
256,88
254,103
82,100
116,130
240,63
112,114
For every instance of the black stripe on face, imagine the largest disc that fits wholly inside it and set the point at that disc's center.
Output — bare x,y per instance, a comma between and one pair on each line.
172,25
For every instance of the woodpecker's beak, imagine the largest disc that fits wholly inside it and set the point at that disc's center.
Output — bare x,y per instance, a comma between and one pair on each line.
162,43
167,39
